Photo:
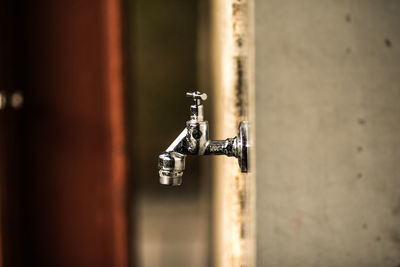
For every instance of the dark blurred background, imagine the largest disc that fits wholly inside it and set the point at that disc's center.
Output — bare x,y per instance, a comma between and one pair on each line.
103,86
167,50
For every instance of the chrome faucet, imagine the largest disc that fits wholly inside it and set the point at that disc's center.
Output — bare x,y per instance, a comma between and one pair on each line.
193,140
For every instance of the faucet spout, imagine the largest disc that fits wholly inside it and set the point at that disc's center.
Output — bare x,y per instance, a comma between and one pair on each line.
171,163
177,145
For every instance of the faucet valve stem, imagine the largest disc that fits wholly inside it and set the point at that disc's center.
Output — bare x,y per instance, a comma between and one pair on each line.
196,110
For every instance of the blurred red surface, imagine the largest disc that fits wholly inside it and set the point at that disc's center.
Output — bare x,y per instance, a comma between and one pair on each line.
73,134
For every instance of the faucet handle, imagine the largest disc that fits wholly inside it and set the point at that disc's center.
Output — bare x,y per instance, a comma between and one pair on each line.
197,96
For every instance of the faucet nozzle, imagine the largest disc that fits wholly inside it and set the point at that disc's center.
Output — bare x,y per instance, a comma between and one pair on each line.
171,166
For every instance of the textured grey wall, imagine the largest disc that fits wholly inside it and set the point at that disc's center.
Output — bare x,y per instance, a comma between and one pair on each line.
328,132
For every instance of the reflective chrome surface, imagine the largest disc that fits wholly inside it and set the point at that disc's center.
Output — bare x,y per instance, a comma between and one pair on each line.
193,140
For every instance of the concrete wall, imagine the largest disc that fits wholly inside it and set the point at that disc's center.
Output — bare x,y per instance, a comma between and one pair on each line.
327,132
